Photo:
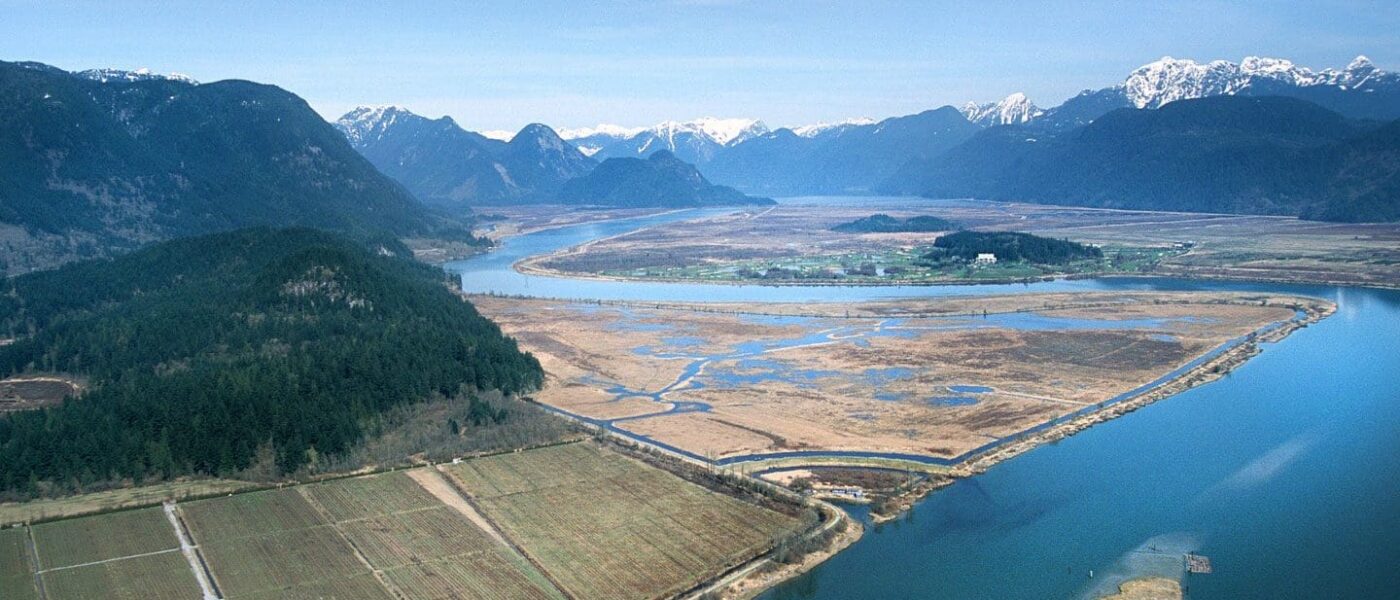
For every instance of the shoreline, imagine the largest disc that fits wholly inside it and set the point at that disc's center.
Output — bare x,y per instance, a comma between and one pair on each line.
1208,371
1213,365
530,266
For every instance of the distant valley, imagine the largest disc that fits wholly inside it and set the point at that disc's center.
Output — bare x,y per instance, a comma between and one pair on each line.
1262,136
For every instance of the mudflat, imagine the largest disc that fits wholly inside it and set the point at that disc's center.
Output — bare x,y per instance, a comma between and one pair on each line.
932,378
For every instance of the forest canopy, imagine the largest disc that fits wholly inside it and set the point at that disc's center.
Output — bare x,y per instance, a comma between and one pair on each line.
1010,246
203,354
883,223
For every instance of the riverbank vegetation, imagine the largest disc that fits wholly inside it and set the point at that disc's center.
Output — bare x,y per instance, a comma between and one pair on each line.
795,243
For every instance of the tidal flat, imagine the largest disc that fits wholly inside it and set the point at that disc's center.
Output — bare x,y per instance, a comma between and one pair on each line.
933,381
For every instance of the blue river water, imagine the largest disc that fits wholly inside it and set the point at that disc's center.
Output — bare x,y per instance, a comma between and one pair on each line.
1286,472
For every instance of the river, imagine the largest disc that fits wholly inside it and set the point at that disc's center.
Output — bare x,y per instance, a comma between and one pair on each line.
1286,473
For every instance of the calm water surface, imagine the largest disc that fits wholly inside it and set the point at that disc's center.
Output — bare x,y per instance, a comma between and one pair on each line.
1286,473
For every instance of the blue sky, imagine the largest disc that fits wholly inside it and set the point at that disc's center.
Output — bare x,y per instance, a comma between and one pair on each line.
500,65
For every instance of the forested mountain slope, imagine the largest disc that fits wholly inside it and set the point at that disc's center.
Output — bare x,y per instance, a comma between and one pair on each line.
89,167
203,354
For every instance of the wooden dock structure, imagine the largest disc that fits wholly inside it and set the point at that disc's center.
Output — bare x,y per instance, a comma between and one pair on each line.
1196,563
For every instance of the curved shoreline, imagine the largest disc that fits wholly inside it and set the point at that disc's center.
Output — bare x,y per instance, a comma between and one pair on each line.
1208,367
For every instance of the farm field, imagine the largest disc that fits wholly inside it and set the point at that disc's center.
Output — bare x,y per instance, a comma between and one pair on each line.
366,537
410,534
16,566
130,554
606,526
932,378
796,236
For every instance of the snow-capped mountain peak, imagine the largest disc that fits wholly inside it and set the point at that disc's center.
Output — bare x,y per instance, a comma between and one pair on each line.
1357,73
727,132
603,129
1157,83
816,129
366,123
1013,109
142,74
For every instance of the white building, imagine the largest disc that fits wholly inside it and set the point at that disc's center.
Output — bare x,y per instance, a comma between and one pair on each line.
985,258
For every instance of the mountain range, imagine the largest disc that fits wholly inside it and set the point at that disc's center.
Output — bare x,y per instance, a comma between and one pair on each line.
862,156
1223,154
695,142
661,179
447,166
98,162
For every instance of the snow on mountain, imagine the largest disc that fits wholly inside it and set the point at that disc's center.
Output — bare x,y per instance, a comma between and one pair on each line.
724,132
498,134
368,123
1157,83
142,74
1359,72
1013,109
604,129
817,129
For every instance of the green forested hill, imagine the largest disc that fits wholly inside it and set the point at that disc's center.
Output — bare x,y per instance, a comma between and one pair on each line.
200,352
88,168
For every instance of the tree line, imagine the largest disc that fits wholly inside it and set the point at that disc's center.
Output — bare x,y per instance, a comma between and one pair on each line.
202,353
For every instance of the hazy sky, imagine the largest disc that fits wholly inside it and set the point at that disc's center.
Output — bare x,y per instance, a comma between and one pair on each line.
500,65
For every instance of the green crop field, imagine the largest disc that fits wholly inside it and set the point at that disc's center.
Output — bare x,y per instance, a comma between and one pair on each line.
606,526
151,577
16,571
102,537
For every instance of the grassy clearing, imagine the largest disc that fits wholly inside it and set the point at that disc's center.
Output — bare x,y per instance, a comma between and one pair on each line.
16,568
154,577
102,537
606,526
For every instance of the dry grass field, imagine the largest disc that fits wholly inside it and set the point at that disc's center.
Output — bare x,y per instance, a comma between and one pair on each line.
606,526
1205,245
920,377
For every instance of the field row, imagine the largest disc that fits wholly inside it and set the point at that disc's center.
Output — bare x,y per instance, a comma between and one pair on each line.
610,527
596,523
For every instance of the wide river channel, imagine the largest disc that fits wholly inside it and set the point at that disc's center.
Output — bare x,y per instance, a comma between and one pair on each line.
1286,473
